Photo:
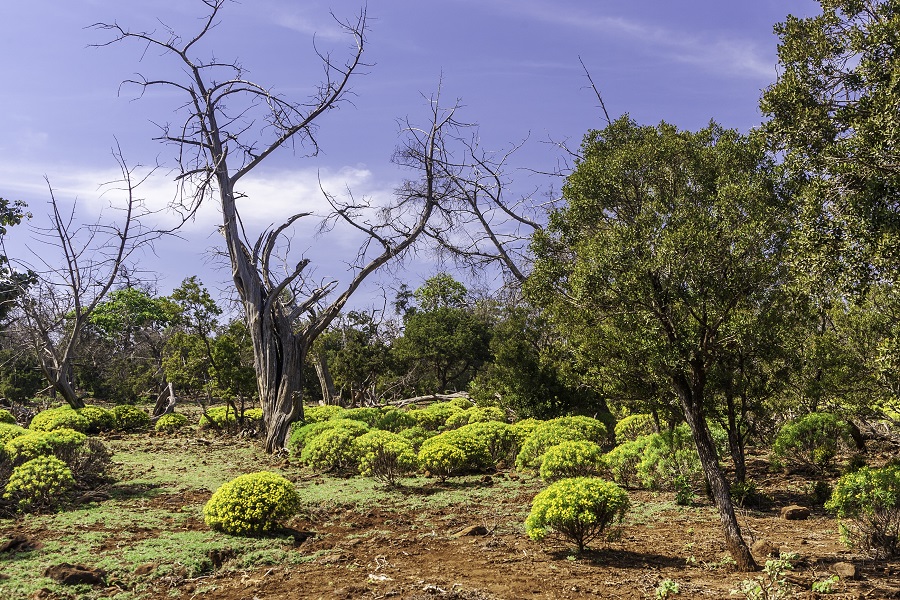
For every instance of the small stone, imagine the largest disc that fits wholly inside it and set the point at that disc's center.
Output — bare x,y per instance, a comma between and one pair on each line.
471,530
75,574
795,512
145,569
844,570
764,549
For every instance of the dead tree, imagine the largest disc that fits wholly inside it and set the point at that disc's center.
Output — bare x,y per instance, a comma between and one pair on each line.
230,126
55,309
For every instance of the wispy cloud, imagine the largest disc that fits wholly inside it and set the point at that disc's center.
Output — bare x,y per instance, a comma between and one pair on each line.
717,54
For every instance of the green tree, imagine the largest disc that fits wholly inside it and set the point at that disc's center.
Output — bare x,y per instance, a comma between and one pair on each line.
666,237
12,282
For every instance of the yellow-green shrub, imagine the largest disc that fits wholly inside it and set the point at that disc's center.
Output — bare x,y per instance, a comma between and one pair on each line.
442,459
670,461
333,449
416,436
9,431
811,441
633,426
58,418
252,504
302,434
171,422
495,435
367,414
555,431
868,503
130,418
316,414
572,459
98,418
475,449
39,483
434,417
218,417
580,509
43,443
385,455
478,414
522,429
623,460
395,419
7,417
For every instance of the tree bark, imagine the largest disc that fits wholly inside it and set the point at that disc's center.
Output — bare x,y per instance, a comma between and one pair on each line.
329,393
691,397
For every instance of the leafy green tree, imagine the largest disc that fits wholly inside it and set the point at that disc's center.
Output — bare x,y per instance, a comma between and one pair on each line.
667,237
357,354
12,282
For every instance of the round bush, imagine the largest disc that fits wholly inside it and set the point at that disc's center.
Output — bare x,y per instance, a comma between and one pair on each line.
868,504
474,448
550,433
669,458
170,422
9,431
253,414
219,417
442,459
572,459
99,419
369,415
623,460
633,426
435,416
130,418
58,418
39,483
7,417
580,509
522,429
478,414
811,441
252,504
301,434
384,455
316,414
59,442
334,449
395,419
416,436
495,435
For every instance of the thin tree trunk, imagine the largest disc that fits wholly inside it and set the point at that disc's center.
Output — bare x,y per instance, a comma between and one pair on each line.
329,393
692,403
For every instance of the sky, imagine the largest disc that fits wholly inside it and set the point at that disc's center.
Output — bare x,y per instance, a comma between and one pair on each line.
513,65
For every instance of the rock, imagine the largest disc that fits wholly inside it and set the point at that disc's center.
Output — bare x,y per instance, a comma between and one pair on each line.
764,549
471,530
145,569
75,574
795,512
19,543
844,570
41,594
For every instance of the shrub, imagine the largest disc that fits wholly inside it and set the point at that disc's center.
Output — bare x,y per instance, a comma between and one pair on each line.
385,456
435,416
369,415
868,504
811,441
58,418
475,449
8,432
39,483
495,435
522,429
623,460
461,403
395,419
219,417
89,462
333,449
634,426
670,458
302,434
479,414
416,436
442,459
550,433
317,414
7,417
253,414
130,418
580,509
252,504
171,422
43,443
99,419
572,459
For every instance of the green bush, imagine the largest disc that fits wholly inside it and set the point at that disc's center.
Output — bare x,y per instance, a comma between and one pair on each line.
8,432
59,443
572,459
370,415
59,418
42,482
7,417
634,426
435,416
868,504
416,436
479,414
475,449
461,403
670,461
130,418
580,509
171,422
495,435
253,414
522,429
623,460
385,456
442,459
334,449
99,419
252,504
811,441
395,419
317,414
301,435
219,417
555,431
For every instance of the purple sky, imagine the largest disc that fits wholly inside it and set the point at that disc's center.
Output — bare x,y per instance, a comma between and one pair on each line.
513,63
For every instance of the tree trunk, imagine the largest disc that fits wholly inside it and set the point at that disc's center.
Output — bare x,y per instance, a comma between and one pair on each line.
735,440
61,377
329,394
692,402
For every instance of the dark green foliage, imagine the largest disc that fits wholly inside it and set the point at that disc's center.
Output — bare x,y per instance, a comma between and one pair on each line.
868,504
812,441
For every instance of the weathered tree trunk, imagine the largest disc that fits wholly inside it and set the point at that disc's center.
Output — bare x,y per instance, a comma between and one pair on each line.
61,378
329,393
691,397
735,439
